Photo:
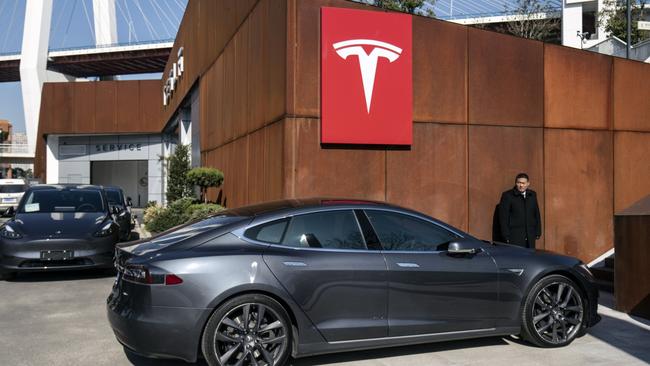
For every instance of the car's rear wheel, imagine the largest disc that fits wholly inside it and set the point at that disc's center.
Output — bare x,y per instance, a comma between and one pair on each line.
553,314
251,329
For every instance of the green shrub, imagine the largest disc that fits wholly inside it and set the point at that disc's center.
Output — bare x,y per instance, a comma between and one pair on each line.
203,210
205,178
158,219
179,165
174,214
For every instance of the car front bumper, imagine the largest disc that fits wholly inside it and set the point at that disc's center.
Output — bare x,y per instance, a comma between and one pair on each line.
25,255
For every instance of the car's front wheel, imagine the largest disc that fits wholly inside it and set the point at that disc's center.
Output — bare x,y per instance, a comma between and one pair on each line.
553,313
251,329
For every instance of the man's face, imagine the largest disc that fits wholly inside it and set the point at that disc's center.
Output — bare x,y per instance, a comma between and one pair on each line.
522,184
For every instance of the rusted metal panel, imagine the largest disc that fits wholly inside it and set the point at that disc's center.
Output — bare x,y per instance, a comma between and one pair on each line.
63,109
631,168
149,112
440,71
128,100
632,273
576,88
207,27
506,80
331,172
579,192
106,118
496,155
304,93
432,176
631,95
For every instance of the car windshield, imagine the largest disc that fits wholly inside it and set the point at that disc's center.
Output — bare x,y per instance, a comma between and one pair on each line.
12,188
63,200
114,197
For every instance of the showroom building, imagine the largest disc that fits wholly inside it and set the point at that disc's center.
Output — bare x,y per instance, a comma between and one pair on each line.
245,86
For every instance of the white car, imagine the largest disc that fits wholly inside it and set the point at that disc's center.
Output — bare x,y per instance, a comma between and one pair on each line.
11,191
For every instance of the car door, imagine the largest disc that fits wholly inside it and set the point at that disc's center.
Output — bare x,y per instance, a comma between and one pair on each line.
323,262
429,290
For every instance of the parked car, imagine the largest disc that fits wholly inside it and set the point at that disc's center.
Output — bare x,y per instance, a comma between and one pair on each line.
11,191
256,284
58,227
120,206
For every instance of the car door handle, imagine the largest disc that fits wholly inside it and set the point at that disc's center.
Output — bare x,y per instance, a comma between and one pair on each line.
408,265
295,264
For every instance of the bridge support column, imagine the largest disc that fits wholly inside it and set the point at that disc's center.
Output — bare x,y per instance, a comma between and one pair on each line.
33,63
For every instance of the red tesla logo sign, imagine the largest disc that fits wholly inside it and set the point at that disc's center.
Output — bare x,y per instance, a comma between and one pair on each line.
366,95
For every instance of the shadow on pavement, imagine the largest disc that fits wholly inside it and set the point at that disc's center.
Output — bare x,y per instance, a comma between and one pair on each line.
397,351
138,360
344,357
620,334
62,275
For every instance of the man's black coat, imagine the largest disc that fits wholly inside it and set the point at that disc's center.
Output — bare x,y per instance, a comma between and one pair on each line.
519,217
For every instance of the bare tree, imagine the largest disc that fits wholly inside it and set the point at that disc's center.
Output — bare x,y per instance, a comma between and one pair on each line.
419,7
531,19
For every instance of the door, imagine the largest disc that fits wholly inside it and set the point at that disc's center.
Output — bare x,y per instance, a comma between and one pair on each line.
430,291
130,175
324,264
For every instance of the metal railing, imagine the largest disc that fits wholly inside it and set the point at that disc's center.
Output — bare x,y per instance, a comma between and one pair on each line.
15,149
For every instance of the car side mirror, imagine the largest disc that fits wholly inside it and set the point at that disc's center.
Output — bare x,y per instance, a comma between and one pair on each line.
462,247
11,211
129,201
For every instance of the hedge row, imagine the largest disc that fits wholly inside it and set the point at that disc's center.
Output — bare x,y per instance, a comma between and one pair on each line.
157,218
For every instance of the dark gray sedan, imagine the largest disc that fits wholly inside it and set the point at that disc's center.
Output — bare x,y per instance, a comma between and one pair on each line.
58,227
254,285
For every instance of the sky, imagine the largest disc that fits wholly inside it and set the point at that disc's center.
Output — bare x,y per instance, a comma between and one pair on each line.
72,27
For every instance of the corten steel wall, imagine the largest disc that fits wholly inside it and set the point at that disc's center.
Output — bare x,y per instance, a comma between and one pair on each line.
102,107
632,276
485,106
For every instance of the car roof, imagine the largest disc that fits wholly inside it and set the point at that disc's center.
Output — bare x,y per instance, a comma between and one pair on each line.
41,187
12,181
112,188
303,204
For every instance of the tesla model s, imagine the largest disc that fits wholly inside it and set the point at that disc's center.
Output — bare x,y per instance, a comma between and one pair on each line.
58,227
257,284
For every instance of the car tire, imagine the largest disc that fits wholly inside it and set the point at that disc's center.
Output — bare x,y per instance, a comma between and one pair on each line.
553,314
227,338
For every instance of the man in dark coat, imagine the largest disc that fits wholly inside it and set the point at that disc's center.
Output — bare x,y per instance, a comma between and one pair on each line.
519,216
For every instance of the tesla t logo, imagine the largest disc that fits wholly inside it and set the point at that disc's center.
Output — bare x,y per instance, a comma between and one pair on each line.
366,95
367,62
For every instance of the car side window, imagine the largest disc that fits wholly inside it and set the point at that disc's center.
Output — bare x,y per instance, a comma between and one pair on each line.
330,230
270,232
407,233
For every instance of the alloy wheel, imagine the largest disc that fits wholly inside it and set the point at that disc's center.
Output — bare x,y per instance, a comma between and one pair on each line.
250,334
557,313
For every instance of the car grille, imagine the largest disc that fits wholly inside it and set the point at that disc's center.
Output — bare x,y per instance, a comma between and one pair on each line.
63,263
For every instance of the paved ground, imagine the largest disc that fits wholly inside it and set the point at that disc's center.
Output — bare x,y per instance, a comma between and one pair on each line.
59,319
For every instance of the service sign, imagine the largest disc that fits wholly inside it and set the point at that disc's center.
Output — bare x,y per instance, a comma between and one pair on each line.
366,77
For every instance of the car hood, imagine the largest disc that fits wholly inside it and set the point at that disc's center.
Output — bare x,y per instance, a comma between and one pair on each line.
501,250
58,223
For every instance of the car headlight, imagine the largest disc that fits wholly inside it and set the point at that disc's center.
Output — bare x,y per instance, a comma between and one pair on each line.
106,230
9,233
